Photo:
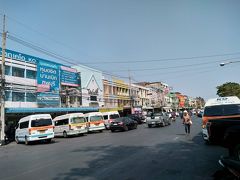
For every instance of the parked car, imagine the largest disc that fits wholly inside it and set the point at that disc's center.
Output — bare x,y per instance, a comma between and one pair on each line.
123,123
158,119
136,118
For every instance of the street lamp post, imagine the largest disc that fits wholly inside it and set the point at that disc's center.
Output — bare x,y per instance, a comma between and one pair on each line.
229,62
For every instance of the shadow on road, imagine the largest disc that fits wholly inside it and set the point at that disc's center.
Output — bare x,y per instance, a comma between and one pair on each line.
187,158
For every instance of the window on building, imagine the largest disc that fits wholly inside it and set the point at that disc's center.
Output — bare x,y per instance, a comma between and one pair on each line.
93,98
72,100
8,96
18,72
8,70
18,96
30,74
31,97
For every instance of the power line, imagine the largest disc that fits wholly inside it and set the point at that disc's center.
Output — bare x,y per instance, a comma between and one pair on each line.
54,55
164,59
170,67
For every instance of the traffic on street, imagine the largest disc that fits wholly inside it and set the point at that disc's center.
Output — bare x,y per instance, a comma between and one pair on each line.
119,90
145,153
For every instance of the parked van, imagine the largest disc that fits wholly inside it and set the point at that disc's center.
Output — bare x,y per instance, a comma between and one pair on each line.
109,117
218,112
70,124
34,128
95,121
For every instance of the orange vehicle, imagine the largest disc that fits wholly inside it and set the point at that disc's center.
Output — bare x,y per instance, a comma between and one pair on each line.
219,115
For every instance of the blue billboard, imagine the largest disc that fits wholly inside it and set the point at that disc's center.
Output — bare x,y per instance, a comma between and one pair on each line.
69,76
48,83
48,74
19,56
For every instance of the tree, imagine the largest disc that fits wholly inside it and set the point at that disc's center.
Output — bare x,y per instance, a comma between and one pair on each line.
229,89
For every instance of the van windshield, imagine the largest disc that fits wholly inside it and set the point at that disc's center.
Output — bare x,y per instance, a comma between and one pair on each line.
114,116
41,122
222,110
75,120
96,118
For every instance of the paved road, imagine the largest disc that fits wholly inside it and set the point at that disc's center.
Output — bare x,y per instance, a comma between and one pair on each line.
145,153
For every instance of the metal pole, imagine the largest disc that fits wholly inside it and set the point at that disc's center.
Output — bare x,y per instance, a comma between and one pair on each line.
4,34
130,89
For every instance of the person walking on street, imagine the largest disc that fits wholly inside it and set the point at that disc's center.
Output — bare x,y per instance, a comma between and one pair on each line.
187,121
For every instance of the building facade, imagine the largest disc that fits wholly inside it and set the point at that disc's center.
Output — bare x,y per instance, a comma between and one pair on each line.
32,82
116,93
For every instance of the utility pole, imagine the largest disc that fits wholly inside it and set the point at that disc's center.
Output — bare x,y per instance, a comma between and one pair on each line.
130,89
4,35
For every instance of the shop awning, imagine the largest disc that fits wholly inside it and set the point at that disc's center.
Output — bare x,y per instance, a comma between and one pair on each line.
50,110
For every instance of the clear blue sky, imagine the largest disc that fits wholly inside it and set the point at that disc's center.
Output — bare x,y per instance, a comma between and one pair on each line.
94,31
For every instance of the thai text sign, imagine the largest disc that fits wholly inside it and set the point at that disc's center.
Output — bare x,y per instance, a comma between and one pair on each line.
69,76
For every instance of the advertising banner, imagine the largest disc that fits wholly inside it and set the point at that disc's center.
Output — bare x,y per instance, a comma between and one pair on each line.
69,76
19,56
48,83
48,99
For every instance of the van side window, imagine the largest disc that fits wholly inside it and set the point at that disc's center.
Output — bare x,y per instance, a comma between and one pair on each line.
105,117
61,122
65,121
24,125
57,123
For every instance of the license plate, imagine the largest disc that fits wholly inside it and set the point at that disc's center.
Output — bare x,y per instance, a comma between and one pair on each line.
79,127
96,124
42,132
153,122
115,124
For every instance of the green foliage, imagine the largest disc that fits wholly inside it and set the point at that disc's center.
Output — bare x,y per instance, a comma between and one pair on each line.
229,89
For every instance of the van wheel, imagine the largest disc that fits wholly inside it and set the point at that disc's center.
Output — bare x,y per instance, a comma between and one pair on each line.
236,152
16,139
65,134
48,140
26,141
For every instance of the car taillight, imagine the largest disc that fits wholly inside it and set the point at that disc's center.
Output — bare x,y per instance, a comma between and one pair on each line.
29,131
70,127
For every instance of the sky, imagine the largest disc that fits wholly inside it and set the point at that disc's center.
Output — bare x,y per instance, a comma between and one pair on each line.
177,42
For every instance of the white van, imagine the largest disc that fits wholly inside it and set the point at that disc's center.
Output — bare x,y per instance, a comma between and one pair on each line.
70,124
34,128
95,121
109,117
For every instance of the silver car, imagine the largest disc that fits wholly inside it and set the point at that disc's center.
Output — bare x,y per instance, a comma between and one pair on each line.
158,119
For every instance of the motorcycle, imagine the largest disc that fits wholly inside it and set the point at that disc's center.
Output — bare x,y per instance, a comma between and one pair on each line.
233,166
